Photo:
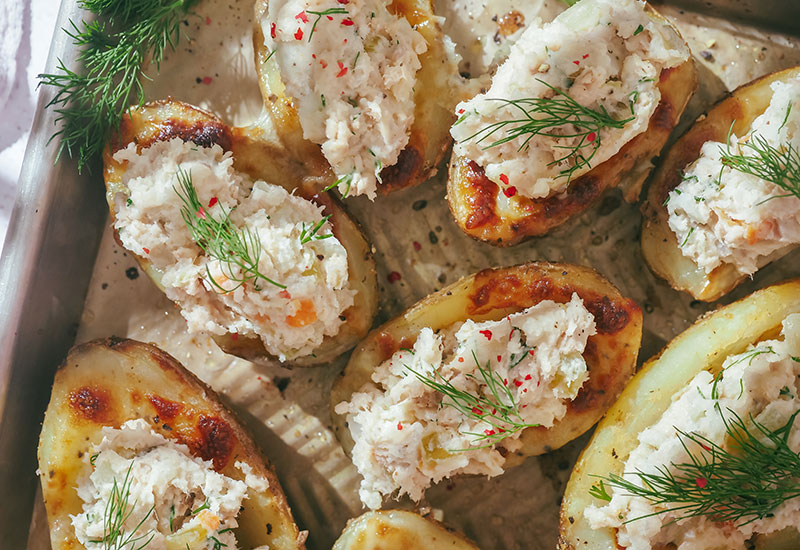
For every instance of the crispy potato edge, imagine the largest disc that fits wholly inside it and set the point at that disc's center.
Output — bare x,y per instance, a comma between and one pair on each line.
168,119
659,244
109,381
493,294
704,345
474,199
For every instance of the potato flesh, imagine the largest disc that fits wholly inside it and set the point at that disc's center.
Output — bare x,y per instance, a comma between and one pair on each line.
108,382
704,346
659,244
398,530
259,159
492,294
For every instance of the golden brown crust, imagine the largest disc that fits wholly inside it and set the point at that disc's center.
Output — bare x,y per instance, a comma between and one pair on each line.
474,199
259,159
494,293
434,100
108,382
659,244
703,346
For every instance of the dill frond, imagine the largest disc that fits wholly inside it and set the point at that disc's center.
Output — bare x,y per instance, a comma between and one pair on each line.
91,101
237,250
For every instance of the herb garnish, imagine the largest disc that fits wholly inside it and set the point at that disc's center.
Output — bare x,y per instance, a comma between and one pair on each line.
757,157
311,233
542,116
500,410
235,249
112,53
742,485
347,179
319,14
116,514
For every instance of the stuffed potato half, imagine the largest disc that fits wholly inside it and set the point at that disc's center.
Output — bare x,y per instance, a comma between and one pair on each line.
166,120
660,246
502,216
493,294
398,530
105,383
702,347
433,98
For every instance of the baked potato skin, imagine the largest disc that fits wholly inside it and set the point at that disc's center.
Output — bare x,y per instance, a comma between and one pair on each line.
659,244
399,530
703,346
108,382
434,100
169,119
494,293
475,200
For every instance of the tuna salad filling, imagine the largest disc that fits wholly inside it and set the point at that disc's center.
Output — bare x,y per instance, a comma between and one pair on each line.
459,399
238,256
569,96
350,67
145,490
756,392
723,215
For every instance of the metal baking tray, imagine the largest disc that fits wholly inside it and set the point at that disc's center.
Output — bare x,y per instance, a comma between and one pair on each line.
50,262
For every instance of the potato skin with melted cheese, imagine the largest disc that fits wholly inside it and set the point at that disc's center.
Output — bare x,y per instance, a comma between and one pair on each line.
399,530
703,346
492,294
434,102
659,244
108,382
253,155
475,200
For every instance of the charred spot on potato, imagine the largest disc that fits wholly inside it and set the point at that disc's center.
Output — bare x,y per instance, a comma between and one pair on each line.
204,133
215,441
609,316
580,194
511,22
91,403
389,346
481,193
166,409
403,172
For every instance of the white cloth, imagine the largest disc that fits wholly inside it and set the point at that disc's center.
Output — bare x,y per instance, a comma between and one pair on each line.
26,28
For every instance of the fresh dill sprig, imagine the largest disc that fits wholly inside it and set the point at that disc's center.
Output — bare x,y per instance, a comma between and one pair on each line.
557,117
757,157
742,485
117,512
747,356
311,233
347,179
319,14
235,249
90,102
500,410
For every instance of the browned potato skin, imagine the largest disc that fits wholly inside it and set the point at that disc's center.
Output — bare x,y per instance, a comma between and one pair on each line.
703,346
474,199
659,244
108,382
399,530
252,155
492,294
434,100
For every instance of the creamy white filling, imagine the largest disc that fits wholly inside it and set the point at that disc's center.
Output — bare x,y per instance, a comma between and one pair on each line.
291,321
605,54
407,436
723,216
159,492
763,381
352,81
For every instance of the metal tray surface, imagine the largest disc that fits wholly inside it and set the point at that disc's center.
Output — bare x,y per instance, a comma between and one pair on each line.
50,261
